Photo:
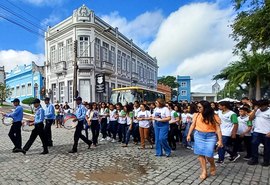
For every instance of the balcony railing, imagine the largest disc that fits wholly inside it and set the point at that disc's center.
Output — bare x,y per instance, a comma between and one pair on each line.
60,67
85,63
107,67
135,76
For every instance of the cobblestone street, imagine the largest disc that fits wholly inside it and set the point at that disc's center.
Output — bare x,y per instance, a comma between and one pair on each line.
111,164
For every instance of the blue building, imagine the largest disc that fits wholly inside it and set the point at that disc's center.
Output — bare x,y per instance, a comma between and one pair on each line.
184,89
25,81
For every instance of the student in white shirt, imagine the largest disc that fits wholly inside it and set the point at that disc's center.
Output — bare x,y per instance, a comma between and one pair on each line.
173,126
162,116
135,126
229,127
103,114
112,130
261,134
93,121
144,117
122,122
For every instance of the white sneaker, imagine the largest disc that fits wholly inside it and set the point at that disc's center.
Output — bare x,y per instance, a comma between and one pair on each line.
113,141
108,138
216,156
103,139
227,155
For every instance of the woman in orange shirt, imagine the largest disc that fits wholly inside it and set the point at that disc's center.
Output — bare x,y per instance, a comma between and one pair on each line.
207,134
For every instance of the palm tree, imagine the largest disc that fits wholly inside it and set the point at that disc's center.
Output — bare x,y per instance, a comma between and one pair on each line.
251,69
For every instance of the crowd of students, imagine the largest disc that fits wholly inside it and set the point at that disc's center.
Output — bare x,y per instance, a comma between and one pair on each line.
200,126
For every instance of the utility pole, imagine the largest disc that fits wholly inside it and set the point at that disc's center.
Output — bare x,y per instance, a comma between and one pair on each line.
75,70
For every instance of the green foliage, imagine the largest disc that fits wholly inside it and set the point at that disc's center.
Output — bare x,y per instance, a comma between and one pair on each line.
253,70
251,28
29,101
169,80
5,92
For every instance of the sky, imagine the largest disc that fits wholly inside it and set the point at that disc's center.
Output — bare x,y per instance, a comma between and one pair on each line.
188,37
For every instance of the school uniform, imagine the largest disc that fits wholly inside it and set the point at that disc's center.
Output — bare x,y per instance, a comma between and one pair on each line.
15,130
95,127
144,126
261,129
173,130
113,124
49,120
104,126
135,126
80,114
228,120
122,124
38,131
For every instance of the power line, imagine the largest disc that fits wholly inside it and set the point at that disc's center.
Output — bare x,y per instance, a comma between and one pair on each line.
21,25
20,17
23,10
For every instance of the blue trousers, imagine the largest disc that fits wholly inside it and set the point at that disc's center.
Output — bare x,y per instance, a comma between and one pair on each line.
161,138
257,139
129,132
113,129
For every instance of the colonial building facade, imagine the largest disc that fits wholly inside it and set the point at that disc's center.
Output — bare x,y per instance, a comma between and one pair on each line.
184,88
98,49
25,81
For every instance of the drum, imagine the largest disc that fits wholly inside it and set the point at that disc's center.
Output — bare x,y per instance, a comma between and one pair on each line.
7,121
26,127
68,121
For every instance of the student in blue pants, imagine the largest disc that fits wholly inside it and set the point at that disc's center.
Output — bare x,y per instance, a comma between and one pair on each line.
162,116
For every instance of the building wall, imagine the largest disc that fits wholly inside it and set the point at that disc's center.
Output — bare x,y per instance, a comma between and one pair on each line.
24,82
165,89
99,52
184,89
2,75
211,97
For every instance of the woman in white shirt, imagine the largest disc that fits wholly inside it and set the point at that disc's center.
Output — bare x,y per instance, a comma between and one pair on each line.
162,116
93,121
144,117
103,114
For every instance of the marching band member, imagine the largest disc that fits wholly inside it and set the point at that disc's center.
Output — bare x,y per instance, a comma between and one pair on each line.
15,130
80,114
38,130
49,120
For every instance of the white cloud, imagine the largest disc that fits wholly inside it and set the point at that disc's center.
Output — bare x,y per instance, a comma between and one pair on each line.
12,58
142,29
44,2
194,40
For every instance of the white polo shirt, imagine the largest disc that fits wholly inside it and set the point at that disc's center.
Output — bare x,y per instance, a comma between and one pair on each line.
262,121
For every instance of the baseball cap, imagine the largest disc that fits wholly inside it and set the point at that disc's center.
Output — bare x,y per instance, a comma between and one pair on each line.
78,99
36,101
16,100
47,99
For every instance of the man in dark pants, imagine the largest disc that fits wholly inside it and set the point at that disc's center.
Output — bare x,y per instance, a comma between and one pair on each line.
38,130
49,120
15,130
80,114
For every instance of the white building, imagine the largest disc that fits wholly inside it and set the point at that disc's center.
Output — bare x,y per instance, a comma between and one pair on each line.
101,49
2,75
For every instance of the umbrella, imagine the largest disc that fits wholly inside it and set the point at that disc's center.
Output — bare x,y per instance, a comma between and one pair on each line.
229,99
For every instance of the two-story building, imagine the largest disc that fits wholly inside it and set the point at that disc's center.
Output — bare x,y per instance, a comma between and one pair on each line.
25,81
184,88
98,49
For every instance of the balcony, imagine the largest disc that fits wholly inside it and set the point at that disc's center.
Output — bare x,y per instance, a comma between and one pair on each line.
135,77
60,67
85,63
107,68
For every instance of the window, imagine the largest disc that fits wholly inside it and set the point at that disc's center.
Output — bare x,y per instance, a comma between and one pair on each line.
54,92
106,45
61,51
12,92
128,64
183,93
124,67
112,48
97,41
84,46
133,65
61,92
113,85
53,54
69,49
183,84
70,91
119,60
29,89
23,93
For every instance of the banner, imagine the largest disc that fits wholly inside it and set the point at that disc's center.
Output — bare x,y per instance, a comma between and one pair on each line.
100,83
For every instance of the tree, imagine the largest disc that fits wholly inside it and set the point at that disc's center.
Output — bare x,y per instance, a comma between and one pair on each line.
5,92
171,82
251,27
252,70
29,101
